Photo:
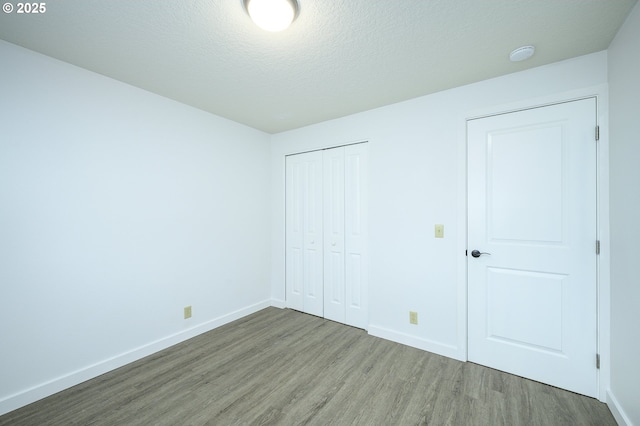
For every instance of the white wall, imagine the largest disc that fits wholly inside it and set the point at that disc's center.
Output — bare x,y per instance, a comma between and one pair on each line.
117,209
624,86
417,179
120,207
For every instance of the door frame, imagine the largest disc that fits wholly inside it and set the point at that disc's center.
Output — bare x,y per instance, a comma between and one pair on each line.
600,94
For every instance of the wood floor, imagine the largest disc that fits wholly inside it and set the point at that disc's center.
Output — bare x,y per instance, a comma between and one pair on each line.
288,368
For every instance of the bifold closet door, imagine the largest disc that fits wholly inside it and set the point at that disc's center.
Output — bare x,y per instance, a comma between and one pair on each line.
304,265
326,223
345,224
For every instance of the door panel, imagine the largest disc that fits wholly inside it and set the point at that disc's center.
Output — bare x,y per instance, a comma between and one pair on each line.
532,206
525,184
313,198
304,270
356,224
295,172
334,272
313,238
356,294
524,308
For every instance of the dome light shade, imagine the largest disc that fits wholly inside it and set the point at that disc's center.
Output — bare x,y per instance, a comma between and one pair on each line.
272,15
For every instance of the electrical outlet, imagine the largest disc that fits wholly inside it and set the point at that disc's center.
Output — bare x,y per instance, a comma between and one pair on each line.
187,312
439,231
413,317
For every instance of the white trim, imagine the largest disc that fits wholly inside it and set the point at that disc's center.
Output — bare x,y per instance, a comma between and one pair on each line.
542,101
462,242
600,92
439,348
616,409
604,260
325,147
22,398
278,303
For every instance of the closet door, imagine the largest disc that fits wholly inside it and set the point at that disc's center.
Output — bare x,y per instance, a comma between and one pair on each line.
355,231
345,234
326,234
334,254
304,265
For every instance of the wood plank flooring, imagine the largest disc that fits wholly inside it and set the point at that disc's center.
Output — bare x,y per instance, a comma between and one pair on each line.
283,367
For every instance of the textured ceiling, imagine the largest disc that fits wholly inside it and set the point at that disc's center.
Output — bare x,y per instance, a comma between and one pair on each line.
339,57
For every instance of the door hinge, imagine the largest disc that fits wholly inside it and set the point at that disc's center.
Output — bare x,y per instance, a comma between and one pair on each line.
597,246
597,133
598,361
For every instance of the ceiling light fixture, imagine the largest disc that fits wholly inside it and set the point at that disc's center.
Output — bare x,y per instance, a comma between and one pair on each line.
272,15
522,53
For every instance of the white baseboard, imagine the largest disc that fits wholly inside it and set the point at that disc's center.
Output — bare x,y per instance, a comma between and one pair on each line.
278,303
449,351
617,411
20,399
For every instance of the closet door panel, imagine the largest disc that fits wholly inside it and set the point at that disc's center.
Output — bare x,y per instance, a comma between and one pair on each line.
294,208
303,217
313,236
334,256
356,226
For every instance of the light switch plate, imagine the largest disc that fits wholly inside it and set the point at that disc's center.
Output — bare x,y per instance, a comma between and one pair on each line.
439,231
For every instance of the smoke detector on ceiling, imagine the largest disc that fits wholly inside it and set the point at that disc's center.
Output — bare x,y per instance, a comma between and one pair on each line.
522,53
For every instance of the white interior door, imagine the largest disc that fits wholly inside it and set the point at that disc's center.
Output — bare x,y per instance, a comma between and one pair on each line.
532,210
304,257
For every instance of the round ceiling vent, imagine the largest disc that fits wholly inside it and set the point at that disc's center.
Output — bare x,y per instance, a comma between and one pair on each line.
522,53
